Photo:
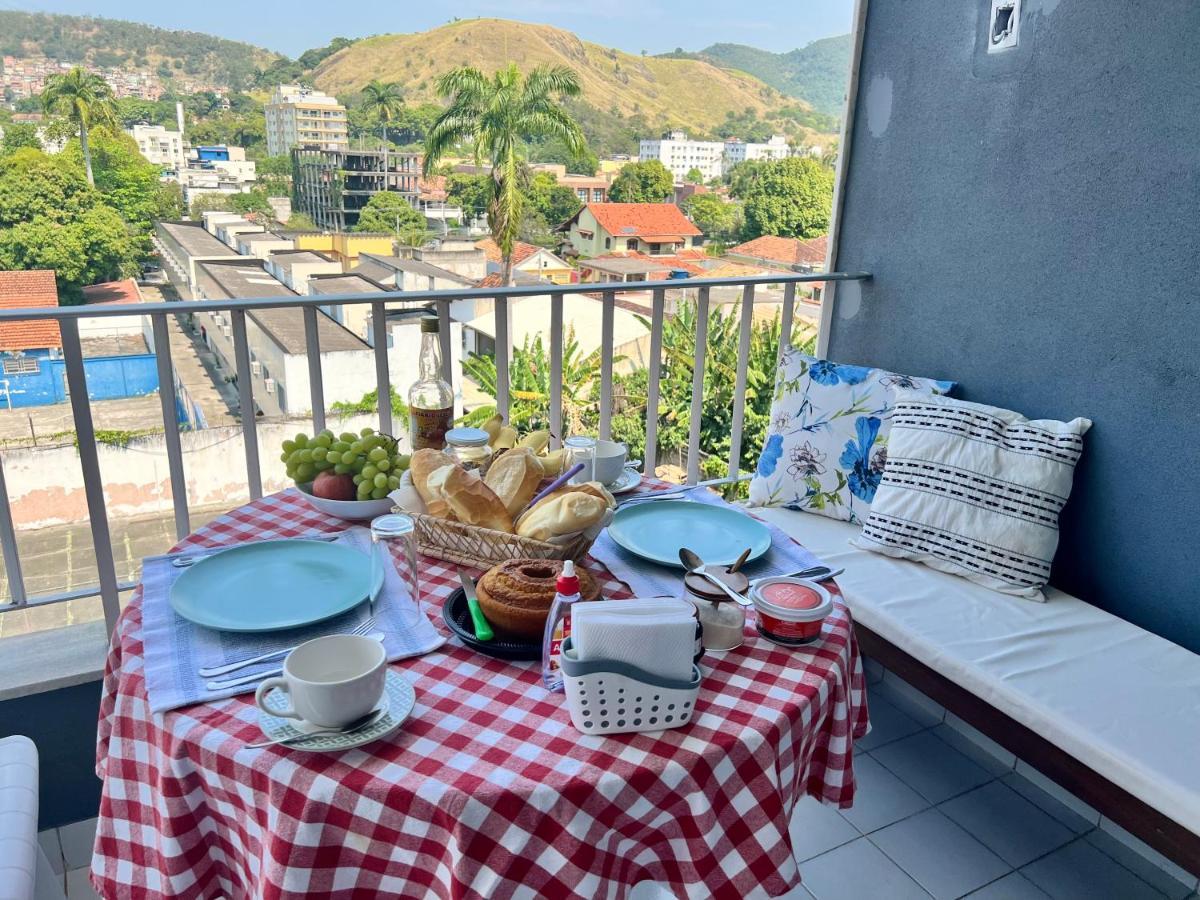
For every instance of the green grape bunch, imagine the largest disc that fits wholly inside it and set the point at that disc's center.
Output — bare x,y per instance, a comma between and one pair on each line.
372,459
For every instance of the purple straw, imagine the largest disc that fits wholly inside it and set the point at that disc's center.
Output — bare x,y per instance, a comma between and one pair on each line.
557,483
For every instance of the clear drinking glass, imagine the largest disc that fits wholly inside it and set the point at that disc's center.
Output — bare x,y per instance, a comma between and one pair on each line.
580,450
395,536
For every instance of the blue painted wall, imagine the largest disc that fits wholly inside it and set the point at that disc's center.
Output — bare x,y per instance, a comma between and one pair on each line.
108,378
1031,222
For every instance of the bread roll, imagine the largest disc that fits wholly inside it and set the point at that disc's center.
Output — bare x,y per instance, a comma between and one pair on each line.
567,513
435,466
595,488
473,501
515,477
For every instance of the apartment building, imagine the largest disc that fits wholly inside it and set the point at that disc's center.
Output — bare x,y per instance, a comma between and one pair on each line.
712,158
161,146
331,186
680,154
303,117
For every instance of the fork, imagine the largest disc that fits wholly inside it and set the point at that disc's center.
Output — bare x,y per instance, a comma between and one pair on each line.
223,684
658,495
215,671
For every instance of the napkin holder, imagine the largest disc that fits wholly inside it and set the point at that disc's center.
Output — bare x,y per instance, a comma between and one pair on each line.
610,697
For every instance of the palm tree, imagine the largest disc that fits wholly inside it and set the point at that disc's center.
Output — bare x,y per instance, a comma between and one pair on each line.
385,102
495,114
85,100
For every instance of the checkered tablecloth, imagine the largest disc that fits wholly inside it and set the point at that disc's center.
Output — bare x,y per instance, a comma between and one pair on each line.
487,790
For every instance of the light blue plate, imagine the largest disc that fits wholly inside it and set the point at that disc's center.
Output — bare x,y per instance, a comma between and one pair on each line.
273,585
656,530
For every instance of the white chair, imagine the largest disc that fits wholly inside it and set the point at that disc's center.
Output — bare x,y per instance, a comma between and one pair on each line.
25,873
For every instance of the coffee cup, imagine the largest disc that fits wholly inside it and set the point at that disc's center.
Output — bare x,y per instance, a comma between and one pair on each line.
331,681
610,460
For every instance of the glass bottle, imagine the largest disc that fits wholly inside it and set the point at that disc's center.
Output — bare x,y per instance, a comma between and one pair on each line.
580,449
430,399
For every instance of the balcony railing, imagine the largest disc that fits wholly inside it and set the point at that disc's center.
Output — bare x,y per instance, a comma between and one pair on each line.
109,589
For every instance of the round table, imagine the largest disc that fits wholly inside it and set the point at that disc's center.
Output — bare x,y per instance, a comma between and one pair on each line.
487,790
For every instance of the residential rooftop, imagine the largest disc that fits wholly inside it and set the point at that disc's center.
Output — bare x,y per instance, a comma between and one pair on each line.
111,293
642,220
288,258
350,283
195,240
784,250
374,266
28,290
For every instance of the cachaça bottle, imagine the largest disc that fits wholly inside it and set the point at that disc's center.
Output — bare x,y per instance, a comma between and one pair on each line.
430,399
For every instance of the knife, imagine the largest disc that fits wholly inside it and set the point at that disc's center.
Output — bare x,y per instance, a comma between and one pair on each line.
483,631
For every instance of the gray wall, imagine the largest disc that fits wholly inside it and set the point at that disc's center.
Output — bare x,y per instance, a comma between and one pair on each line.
62,724
1031,223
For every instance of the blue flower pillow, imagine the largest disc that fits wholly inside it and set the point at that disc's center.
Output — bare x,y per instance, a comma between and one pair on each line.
827,441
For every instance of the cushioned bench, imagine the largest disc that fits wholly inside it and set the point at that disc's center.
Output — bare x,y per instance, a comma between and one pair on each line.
1110,711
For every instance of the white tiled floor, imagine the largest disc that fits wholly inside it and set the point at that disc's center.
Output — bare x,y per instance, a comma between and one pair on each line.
935,816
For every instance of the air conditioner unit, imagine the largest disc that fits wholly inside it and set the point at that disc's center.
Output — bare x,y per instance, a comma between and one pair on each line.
270,384
227,330
256,368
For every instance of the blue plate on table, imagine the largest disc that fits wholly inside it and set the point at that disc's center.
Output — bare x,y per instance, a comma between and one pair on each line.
657,530
273,585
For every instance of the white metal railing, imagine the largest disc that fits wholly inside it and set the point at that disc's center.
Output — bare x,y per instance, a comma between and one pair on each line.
108,588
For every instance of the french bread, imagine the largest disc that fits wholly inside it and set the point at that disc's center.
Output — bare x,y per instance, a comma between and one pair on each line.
566,513
514,478
422,466
472,501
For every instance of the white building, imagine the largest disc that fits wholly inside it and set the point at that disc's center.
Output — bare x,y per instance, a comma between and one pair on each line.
161,146
712,158
302,117
680,155
740,151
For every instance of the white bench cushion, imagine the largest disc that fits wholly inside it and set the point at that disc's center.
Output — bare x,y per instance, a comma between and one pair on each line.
1121,700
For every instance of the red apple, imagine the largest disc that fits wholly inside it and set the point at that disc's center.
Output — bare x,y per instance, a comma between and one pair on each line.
330,486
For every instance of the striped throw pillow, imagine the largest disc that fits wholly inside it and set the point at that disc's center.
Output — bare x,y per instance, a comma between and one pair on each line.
974,491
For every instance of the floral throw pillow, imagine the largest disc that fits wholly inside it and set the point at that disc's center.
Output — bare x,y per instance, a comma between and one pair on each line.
827,441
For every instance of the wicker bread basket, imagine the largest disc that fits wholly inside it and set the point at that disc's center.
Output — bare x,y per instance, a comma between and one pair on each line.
471,545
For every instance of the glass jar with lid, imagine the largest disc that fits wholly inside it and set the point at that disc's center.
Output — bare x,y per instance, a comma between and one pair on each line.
470,447
722,621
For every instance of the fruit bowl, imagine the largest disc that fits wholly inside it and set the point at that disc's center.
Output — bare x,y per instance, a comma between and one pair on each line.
352,510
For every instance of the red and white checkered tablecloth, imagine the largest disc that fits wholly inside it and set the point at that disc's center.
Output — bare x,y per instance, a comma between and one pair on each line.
487,790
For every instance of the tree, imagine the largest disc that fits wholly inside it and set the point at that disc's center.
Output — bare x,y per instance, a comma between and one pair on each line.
385,103
253,203
128,181
585,162
719,219
85,100
643,182
298,221
791,197
18,136
274,174
389,212
554,202
492,115
209,202
694,176
471,192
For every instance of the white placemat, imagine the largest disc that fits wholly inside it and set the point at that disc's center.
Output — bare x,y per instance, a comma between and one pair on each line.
176,648
648,579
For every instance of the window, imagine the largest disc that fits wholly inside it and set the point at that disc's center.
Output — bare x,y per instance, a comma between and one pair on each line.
22,365
631,244
597,195
608,243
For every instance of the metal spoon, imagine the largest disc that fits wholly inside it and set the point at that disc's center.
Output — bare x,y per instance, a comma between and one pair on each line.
222,684
695,566
357,725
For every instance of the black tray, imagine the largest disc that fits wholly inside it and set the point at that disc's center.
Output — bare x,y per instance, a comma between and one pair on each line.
458,619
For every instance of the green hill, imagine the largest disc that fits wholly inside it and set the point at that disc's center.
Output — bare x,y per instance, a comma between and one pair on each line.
816,73
111,43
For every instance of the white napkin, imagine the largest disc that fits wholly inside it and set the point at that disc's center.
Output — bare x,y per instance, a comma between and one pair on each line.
657,635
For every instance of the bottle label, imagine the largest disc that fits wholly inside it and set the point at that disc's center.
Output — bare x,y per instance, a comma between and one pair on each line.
562,631
428,427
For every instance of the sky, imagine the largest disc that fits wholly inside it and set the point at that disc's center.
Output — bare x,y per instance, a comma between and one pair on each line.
294,26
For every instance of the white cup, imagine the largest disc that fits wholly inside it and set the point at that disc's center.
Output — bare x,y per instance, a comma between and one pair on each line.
331,681
610,460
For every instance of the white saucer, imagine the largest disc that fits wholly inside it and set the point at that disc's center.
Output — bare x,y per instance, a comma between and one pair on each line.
626,482
398,697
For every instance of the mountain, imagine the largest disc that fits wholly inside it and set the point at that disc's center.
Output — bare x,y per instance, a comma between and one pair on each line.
687,93
816,73
111,43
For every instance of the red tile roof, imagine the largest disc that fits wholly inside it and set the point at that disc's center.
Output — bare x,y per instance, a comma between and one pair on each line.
789,251
432,188
28,290
111,292
521,251
642,219
492,279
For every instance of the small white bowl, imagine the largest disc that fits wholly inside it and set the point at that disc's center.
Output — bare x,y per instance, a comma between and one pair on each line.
352,510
